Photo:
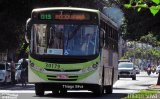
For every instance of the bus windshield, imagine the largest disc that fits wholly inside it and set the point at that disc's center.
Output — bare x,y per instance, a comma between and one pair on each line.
125,65
68,39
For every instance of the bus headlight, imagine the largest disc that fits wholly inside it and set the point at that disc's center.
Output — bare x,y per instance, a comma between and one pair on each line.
89,69
37,68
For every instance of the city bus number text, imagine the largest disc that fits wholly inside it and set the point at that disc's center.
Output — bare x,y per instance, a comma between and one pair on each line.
52,66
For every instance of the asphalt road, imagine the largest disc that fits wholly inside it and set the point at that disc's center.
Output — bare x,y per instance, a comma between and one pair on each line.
122,88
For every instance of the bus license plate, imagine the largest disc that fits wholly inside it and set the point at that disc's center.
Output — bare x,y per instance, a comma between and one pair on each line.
73,86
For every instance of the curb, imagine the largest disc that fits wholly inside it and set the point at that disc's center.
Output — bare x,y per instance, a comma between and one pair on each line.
154,87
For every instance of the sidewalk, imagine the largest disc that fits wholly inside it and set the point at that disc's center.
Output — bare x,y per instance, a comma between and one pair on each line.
155,87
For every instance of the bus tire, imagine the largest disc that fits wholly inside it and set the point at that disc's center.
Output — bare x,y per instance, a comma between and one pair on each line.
56,92
63,91
109,89
39,89
98,91
134,78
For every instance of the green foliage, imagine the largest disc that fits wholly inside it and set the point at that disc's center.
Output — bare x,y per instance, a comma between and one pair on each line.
156,1
142,94
150,39
127,5
154,10
145,51
152,5
139,53
139,9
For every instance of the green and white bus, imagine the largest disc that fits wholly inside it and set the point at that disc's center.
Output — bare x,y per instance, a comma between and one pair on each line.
72,49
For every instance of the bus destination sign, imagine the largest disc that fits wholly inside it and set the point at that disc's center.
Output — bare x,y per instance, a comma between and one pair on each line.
71,17
66,16
45,16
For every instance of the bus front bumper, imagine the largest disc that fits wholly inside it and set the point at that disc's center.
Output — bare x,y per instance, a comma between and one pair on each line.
68,86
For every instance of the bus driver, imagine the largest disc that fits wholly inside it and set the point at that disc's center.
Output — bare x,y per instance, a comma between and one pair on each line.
88,45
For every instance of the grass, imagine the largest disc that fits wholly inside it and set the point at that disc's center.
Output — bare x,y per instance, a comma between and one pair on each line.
144,94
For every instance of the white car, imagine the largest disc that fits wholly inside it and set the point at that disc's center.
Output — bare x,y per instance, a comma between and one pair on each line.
5,72
158,69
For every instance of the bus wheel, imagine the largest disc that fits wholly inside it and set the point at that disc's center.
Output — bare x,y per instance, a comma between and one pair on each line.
109,89
134,78
98,91
56,92
63,91
39,89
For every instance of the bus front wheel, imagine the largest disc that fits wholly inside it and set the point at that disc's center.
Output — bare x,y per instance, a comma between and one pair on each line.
109,89
39,90
98,91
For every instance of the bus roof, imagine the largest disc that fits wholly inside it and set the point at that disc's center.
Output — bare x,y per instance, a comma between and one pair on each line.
65,8
111,22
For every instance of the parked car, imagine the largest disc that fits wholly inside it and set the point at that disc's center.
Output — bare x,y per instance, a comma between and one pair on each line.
137,69
126,70
158,69
5,72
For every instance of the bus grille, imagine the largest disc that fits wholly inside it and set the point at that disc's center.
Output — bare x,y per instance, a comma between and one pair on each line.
124,72
54,78
75,70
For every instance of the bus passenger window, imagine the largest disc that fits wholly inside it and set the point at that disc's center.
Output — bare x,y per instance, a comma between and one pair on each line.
89,41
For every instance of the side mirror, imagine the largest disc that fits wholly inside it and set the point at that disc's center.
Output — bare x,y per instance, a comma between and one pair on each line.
102,36
27,32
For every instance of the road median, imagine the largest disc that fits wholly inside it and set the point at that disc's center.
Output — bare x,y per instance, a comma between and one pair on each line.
153,92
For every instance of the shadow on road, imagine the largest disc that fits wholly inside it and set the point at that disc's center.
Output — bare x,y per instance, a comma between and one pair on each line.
68,95
16,87
84,95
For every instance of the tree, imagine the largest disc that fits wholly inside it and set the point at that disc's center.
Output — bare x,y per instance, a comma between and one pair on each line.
149,39
12,22
152,5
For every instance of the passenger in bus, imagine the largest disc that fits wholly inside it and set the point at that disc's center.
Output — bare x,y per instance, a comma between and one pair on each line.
56,38
88,45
